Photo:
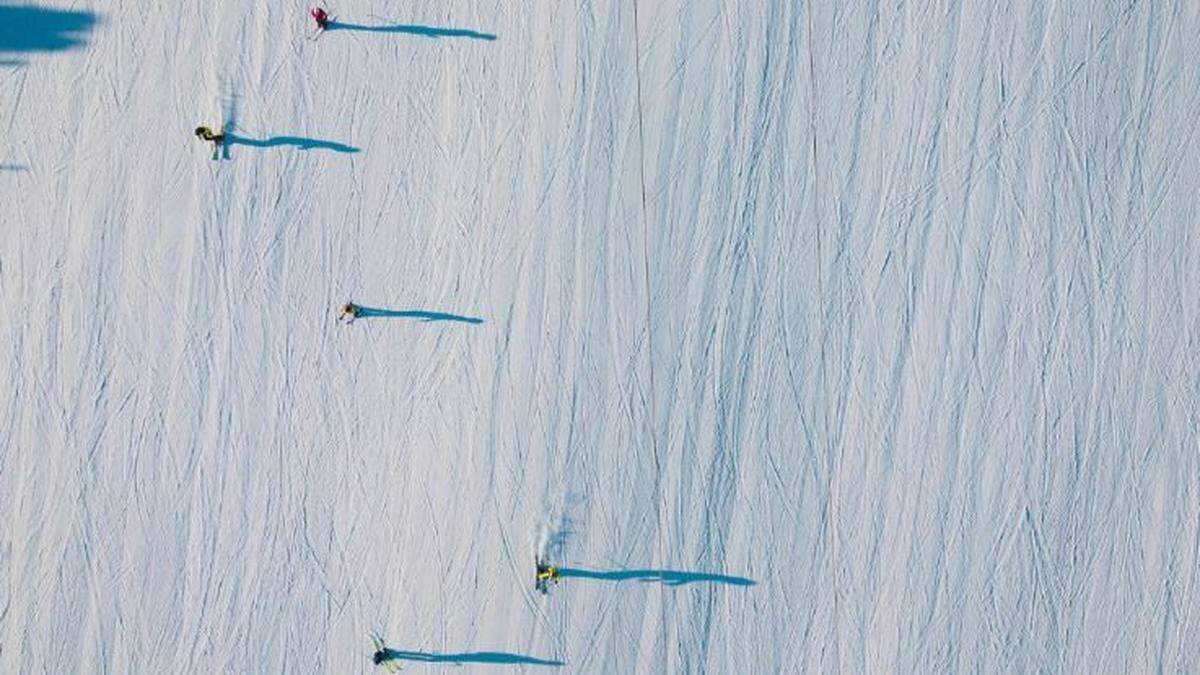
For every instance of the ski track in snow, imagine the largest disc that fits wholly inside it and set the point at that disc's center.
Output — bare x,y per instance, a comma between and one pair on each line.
905,331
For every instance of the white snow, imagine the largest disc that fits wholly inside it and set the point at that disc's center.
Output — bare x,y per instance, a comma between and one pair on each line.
891,308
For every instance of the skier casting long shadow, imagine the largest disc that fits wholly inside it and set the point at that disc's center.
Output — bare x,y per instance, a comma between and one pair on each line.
389,658
385,655
351,311
222,142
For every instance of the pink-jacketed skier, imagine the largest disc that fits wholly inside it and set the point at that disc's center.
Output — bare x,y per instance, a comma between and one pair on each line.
321,17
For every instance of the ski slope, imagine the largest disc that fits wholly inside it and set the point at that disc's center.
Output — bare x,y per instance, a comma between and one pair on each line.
804,337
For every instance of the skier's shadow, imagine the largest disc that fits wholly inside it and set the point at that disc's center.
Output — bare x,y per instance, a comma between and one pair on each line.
496,658
668,577
33,29
425,31
297,142
423,315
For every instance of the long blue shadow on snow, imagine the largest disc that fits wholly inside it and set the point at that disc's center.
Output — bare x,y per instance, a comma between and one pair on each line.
471,657
374,312
668,577
13,167
288,141
424,31
26,28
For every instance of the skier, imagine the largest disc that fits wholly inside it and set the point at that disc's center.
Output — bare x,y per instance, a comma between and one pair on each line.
207,134
382,657
321,17
350,312
545,574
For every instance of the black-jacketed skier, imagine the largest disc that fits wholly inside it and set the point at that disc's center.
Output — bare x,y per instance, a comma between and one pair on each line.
382,657
207,134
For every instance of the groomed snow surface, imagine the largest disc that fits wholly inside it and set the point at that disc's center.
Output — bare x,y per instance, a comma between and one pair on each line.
855,337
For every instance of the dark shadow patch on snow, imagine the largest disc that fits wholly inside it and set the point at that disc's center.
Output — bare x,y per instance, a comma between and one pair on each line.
229,104
26,28
498,658
556,547
13,167
298,142
423,315
668,577
424,31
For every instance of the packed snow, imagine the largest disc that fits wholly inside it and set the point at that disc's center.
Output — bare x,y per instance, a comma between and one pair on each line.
853,337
